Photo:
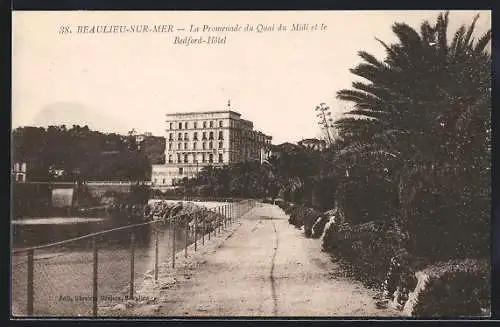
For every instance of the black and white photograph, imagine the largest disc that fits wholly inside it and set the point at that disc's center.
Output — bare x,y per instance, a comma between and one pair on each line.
331,164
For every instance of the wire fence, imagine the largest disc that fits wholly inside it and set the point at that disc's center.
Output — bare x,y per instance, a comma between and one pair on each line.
74,277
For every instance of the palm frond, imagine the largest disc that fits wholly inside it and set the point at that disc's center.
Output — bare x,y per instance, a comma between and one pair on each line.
441,31
377,90
483,42
456,43
371,59
468,35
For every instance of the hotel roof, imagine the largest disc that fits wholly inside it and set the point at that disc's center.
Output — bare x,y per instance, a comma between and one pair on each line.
203,112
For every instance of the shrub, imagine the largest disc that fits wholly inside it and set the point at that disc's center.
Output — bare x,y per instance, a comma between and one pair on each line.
296,216
451,289
309,218
319,225
366,248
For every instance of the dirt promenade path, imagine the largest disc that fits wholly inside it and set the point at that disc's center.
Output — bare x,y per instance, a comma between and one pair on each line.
264,267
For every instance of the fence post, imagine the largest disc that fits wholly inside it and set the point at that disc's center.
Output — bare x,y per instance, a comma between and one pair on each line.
156,254
94,277
224,220
195,232
187,239
216,211
30,282
220,217
173,242
132,254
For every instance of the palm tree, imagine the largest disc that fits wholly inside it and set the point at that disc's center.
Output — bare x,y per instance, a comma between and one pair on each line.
423,115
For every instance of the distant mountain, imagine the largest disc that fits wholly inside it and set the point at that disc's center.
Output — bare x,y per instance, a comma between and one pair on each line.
69,114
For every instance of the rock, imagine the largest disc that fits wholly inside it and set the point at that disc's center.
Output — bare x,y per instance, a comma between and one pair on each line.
201,308
422,280
382,304
120,307
129,303
167,283
156,308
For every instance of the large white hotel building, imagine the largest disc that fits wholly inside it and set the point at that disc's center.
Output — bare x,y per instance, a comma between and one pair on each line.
198,139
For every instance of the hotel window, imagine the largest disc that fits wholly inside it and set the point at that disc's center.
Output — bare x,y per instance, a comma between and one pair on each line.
220,145
170,136
179,136
220,123
195,136
211,124
171,125
204,145
220,157
203,158
194,145
180,125
178,146
156,181
186,136
185,158
210,145
178,158
185,146
210,158
164,181
170,159
181,171
185,125
170,146
195,124
204,124
211,137
204,136
221,137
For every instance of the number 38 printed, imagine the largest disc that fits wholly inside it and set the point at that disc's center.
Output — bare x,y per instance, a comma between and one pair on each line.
64,29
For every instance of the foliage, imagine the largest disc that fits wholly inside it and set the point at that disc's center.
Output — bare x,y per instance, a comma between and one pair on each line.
454,288
80,153
419,137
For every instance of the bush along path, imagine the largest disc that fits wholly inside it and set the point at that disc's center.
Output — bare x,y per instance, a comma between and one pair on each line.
259,266
414,286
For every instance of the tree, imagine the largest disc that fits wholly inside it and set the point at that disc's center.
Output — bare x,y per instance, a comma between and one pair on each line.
421,122
94,155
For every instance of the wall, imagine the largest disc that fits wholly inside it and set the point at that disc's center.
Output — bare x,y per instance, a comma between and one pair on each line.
99,190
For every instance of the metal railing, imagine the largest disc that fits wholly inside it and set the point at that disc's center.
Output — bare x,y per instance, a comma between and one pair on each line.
199,224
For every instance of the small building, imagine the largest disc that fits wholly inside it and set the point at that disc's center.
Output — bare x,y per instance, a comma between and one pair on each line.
313,144
19,172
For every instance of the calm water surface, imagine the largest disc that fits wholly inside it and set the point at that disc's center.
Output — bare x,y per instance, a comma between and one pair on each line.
65,272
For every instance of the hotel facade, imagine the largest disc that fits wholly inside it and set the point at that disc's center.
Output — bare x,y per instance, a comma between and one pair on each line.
213,138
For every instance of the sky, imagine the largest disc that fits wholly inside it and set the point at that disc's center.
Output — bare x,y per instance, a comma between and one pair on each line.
114,82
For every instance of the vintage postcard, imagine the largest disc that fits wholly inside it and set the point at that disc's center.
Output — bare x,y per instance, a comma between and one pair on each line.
251,164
